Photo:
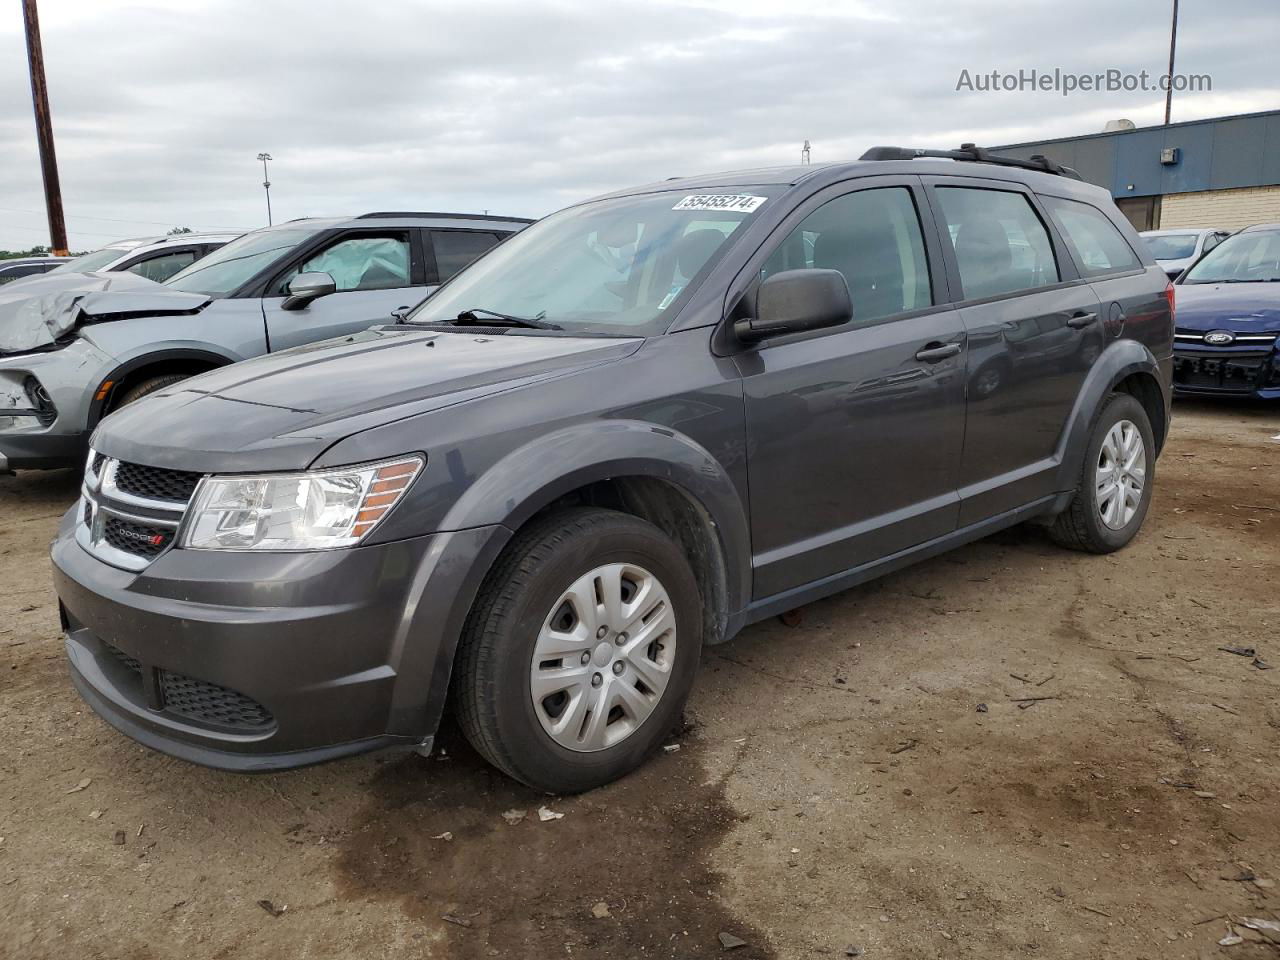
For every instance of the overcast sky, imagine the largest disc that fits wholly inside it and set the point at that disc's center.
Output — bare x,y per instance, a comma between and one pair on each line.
523,106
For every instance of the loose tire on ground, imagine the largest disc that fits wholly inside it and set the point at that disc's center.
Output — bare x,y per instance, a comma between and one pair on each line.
522,611
1082,526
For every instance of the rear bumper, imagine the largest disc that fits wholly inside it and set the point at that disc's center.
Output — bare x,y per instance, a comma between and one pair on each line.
259,662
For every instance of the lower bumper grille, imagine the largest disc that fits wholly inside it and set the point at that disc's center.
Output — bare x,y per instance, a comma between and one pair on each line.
211,704
206,703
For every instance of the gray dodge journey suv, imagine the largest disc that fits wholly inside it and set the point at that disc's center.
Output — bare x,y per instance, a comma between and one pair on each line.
634,428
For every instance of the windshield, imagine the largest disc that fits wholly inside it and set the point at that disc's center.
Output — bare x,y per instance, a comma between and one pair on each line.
1172,246
91,261
230,267
1243,258
614,266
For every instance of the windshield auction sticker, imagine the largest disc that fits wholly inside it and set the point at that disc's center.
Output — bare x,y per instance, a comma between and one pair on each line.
735,203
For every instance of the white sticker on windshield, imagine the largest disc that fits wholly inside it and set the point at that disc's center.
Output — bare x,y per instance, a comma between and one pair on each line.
734,203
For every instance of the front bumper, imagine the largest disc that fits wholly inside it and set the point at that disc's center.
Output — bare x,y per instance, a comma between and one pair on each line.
1233,371
249,662
45,402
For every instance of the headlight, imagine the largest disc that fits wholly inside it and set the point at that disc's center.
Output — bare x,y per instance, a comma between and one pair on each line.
296,511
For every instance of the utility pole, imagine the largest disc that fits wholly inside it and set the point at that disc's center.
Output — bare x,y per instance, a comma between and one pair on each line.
44,131
1173,46
804,152
266,183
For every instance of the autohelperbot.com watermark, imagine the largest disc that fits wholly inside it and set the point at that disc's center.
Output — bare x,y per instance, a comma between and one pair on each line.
1065,82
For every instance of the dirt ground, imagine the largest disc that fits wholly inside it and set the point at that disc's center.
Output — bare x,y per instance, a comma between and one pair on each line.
840,786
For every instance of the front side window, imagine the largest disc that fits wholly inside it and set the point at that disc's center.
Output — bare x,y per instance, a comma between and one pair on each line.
613,266
361,263
228,268
1000,244
455,249
873,237
1242,258
1097,244
163,267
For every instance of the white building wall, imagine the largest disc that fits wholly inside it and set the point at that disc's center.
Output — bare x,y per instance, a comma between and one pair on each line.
1227,209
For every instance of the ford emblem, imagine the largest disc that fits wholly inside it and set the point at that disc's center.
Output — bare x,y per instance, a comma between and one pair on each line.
1219,337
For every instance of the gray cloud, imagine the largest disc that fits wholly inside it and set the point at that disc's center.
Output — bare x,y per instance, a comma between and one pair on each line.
523,107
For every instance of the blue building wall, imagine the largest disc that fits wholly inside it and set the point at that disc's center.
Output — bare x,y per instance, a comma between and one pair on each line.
1216,154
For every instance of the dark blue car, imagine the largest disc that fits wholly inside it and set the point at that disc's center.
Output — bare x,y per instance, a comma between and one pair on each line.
1228,315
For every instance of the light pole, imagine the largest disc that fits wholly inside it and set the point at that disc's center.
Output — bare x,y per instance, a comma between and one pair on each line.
1173,46
266,183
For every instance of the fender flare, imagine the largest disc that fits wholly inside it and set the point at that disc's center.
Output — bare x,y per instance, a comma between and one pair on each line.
132,364
538,473
1121,359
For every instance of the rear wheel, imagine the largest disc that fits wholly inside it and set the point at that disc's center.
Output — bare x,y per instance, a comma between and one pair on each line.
140,390
580,652
1115,484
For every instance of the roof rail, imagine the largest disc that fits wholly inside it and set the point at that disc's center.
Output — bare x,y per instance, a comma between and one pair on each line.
973,154
452,216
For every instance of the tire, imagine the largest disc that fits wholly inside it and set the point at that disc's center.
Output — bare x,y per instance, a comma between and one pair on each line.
495,670
140,390
1082,526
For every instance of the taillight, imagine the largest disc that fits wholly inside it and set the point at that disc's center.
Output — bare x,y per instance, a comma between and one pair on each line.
1168,295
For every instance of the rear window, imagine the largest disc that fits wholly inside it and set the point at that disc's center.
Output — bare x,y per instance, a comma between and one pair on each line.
1098,246
1001,246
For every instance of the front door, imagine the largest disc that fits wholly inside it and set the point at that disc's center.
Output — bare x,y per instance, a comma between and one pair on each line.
374,275
1034,332
854,435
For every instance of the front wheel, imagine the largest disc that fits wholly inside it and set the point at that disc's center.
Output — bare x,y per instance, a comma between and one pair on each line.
580,652
1114,489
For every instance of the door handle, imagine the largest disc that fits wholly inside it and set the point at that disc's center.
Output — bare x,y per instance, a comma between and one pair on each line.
1079,321
937,352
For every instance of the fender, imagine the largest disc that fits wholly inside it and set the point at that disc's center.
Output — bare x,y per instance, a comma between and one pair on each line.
200,352
535,475
1119,360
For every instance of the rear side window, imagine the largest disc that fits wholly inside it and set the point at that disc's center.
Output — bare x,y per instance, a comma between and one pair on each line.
22,270
872,237
455,249
1001,246
163,267
1094,240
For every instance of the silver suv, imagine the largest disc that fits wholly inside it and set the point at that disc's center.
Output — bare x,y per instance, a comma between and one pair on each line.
70,357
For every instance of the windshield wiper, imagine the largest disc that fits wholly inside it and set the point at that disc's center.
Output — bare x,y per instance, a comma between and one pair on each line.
481,316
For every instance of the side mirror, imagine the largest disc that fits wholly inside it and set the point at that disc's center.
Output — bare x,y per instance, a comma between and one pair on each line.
306,287
796,301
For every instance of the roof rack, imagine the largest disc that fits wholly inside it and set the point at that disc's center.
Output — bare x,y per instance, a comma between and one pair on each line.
452,216
973,154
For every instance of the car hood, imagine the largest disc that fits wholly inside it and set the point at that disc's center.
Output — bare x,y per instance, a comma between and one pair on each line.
44,309
281,411
1238,307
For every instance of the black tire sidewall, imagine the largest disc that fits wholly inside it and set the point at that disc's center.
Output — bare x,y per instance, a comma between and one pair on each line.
536,757
1118,407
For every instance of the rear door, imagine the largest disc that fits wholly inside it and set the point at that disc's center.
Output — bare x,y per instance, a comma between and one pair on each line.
854,434
375,271
1033,330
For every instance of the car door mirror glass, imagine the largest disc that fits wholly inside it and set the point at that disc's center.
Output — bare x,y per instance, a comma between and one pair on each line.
306,287
797,301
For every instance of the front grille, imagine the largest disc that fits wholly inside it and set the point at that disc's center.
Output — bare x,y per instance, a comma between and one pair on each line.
136,538
156,483
211,704
88,513
1232,371
98,460
1196,338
